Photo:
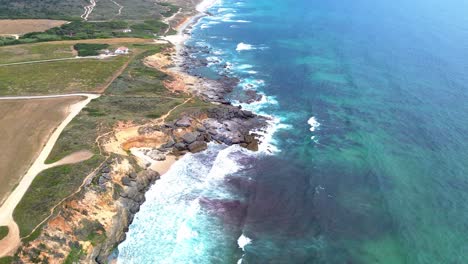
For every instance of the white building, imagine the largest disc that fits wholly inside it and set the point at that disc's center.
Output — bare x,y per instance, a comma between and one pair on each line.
122,50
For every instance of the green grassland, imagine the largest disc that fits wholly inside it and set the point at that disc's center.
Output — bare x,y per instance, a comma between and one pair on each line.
78,30
33,52
71,9
68,9
53,9
77,75
3,232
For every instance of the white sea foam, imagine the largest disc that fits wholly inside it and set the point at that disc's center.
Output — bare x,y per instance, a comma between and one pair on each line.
251,83
243,241
244,46
314,124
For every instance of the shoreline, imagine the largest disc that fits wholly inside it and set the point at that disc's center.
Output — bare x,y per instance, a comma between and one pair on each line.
121,182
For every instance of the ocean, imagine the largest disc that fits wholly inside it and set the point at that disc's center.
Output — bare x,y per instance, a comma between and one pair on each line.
366,157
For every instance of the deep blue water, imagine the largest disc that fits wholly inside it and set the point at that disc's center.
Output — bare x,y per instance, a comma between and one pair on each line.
381,178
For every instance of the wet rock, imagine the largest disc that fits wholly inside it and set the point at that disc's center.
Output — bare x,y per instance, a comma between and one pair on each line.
197,146
169,143
180,146
190,137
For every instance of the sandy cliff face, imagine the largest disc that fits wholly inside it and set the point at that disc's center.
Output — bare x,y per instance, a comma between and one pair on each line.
95,221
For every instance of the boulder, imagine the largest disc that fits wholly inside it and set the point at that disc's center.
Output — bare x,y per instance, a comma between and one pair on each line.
190,137
126,181
180,146
184,122
197,146
169,143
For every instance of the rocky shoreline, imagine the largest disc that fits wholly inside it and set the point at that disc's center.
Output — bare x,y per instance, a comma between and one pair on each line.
93,223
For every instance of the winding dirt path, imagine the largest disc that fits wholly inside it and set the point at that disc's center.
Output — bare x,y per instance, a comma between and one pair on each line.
9,244
88,10
120,7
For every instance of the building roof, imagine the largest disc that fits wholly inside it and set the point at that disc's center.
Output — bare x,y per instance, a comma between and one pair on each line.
122,48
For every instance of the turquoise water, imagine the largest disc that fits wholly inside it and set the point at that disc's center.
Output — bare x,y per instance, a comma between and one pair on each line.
382,177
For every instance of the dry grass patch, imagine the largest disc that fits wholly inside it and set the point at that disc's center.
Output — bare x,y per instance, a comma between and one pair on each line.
23,26
34,52
25,126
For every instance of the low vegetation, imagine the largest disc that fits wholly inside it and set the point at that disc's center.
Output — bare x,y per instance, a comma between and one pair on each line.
170,9
6,260
52,9
78,30
35,52
48,189
77,75
89,49
3,232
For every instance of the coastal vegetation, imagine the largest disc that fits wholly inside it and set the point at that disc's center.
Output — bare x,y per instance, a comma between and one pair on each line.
78,30
3,232
89,49
6,260
74,75
47,190
171,9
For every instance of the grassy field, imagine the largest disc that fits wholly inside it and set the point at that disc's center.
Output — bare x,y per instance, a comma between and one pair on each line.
25,126
59,77
3,232
32,52
22,26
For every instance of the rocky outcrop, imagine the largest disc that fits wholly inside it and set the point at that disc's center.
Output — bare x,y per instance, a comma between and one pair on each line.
96,220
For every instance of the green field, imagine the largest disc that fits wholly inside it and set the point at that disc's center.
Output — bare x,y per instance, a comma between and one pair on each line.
80,30
33,52
80,75
72,10
41,9
3,232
